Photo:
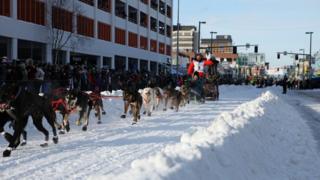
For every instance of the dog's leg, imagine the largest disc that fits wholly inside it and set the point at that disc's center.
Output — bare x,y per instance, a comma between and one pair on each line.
51,119
86,115
97,107
133,108
38,124
18,129
126,107
24,140
165,104
100,104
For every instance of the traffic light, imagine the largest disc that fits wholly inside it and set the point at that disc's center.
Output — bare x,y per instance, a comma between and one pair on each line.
235,50
278,55
296,57
256,50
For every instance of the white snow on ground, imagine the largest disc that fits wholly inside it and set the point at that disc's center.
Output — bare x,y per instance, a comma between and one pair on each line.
261,139
228,139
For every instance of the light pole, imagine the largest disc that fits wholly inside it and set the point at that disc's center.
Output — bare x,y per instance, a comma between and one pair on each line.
178,39
200,22
310,55
211,40
303,51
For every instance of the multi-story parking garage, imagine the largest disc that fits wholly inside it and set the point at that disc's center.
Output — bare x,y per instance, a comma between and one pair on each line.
119,34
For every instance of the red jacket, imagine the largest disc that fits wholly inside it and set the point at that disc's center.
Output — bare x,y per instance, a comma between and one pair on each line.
198,66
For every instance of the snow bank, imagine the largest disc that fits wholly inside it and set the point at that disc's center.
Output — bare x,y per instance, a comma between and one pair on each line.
113,93
261,139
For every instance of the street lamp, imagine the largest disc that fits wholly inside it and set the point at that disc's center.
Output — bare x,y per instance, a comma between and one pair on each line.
211,40
178,39
200,22
310,55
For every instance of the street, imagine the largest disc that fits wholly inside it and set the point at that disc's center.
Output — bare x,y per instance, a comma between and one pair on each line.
307,103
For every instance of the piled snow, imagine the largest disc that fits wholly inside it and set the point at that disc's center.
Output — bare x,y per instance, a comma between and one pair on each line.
275,144
113,93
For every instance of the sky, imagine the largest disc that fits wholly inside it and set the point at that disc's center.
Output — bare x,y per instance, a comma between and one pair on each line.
275,25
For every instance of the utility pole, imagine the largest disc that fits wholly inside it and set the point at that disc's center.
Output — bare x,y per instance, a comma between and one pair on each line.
199,31
178,35
211,40
310,55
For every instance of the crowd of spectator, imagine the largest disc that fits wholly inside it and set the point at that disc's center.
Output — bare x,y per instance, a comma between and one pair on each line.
47,77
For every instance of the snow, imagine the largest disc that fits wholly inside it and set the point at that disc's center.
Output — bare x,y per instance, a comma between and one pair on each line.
249,134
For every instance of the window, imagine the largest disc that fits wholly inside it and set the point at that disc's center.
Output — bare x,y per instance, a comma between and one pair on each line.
153,45
61,19
144,1
120,36
143,43
31,11
154,4
169,11
120,63
107,62
133,64
104,31
153,67
168,50
144,65
121,9
85,26
5,7
133,15
90,2
161,48
162,28
133,40
104,5
153,24
162,7
143,19
168,29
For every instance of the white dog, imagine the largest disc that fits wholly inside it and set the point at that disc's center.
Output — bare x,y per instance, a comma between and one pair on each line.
148,100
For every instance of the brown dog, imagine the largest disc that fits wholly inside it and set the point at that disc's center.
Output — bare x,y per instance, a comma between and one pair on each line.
134,100
185,92
174,96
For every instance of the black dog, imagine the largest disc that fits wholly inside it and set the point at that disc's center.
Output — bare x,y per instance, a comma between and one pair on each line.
78,101
25,104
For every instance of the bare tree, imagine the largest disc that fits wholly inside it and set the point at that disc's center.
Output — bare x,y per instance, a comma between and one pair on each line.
58,37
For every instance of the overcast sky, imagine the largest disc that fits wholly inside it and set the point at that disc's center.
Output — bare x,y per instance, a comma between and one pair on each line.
276,25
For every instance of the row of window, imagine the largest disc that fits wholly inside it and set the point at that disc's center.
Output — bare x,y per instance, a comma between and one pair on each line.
34,11
5,7
120,6
160,6
156,26
31,11
120,38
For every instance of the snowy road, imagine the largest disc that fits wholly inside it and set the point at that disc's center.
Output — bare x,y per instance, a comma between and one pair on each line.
307,103
249,134
111,147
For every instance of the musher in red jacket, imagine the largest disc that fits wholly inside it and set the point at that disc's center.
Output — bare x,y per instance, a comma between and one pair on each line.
198,64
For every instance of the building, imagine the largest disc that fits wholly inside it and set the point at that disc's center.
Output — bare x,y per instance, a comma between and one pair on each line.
120,34
316,66
256,59
188,37
222,47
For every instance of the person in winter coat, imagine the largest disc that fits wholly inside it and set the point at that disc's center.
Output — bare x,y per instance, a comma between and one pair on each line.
197,87
285,84
39,78
198,64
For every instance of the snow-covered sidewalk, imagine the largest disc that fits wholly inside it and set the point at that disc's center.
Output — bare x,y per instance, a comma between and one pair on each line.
235,138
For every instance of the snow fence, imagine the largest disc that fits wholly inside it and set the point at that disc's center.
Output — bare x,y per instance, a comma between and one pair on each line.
275,144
